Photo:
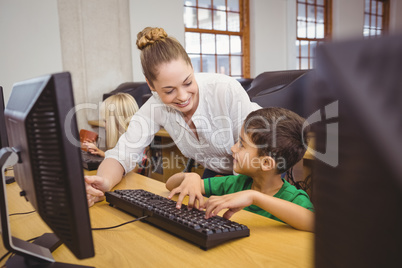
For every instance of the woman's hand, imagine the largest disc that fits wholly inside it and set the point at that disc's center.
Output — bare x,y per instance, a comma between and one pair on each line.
95,188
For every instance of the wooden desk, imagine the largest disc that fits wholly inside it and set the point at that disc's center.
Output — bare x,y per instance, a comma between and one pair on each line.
271,244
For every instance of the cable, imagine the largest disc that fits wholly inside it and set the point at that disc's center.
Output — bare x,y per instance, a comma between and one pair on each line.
22,213
93,229
107,228
4,256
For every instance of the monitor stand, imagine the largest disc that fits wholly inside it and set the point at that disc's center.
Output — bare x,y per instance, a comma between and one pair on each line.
37,254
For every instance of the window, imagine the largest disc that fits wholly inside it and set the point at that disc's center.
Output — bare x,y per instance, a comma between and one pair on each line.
376,17
313,26
217,36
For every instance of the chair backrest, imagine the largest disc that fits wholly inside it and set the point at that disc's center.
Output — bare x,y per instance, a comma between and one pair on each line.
268,82
245,82
292,96
135,89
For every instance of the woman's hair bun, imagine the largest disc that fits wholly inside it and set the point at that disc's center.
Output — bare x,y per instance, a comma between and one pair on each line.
149,36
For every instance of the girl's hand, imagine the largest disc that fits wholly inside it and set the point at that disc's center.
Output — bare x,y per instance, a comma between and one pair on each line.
92,149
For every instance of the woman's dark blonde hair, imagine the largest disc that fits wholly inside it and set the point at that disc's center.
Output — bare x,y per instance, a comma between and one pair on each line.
158,48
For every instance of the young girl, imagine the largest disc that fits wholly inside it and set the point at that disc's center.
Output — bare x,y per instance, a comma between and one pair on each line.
116,111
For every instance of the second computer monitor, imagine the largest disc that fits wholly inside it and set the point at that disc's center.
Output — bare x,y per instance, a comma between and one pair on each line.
358,184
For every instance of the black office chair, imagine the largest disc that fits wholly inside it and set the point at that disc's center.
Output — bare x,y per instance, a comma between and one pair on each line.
291,96
139,90
268,82
245,82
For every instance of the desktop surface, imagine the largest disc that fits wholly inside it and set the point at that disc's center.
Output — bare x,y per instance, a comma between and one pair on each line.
139,244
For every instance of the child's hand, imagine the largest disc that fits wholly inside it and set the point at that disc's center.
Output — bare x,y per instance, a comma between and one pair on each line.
233,202
191,186
89,141
91,147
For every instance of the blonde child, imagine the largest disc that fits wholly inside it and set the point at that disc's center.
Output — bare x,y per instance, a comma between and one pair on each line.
116,112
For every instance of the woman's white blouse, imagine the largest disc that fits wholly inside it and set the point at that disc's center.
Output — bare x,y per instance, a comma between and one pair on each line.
223,105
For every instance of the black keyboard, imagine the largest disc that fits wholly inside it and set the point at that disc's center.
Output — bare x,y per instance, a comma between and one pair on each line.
10,179
186,224
90,161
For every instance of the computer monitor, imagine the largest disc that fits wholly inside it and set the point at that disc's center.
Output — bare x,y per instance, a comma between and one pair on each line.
358,186
3,131
48,168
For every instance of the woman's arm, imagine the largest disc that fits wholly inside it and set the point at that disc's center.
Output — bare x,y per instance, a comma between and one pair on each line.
111,170
296,216
139,134
110,173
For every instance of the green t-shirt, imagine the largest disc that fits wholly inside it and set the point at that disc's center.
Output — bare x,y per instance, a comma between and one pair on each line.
236,183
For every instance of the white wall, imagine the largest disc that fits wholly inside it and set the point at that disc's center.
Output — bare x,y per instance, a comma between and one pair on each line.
29,41
155,13
347,19
268,36
96,49
395,20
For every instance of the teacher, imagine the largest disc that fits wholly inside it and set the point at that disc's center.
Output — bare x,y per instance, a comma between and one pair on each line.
202,112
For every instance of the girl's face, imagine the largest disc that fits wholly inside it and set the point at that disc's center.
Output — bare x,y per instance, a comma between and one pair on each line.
176,86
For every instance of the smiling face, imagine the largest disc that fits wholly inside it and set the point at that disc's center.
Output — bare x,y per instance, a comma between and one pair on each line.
246,160
176,86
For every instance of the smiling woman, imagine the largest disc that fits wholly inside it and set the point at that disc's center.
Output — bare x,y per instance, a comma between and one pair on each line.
177,87
202,112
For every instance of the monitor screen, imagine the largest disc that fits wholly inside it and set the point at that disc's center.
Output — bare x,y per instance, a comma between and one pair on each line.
358,183
3,131
49,170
